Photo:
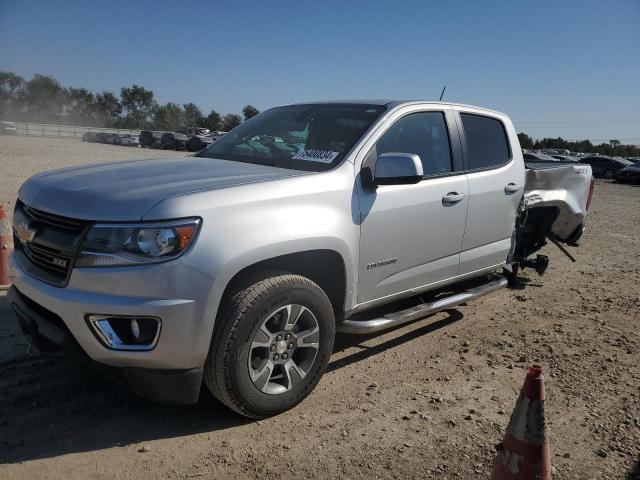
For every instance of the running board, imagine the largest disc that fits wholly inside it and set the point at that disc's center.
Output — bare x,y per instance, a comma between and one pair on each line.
401,317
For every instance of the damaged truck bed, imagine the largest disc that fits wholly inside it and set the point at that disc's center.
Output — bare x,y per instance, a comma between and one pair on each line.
554,207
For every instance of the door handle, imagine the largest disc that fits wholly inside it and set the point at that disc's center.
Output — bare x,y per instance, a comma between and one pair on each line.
452,198
512,188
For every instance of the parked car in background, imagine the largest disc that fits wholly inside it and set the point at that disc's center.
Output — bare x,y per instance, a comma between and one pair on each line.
100,137
530,157
198,142
8,128
150,139
174,141
606,167
629,174
565,158
110,138
127,139
89,137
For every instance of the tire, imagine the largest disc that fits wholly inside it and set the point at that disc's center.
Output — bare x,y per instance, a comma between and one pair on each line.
609,174
244,318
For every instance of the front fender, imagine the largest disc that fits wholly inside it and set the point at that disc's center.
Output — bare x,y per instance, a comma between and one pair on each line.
247,224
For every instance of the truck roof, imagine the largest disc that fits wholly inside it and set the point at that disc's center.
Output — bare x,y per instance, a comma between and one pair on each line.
391,103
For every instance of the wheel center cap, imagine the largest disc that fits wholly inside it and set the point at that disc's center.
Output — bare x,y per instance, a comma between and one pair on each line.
281,347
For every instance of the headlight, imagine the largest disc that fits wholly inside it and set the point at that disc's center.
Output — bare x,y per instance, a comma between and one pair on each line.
136,244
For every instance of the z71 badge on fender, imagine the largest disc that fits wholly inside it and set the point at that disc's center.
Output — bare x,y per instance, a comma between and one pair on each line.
381,263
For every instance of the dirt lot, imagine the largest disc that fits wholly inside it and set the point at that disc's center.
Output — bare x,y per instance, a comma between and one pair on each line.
429,400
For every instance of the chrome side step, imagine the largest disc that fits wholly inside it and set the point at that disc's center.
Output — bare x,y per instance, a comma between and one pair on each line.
390,320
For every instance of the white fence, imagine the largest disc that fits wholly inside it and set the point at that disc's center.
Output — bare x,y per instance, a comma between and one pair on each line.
69,131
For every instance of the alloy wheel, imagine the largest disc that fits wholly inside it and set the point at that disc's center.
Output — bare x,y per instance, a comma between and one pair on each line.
284,348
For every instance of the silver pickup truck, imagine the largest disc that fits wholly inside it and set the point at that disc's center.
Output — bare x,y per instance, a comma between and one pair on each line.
236,267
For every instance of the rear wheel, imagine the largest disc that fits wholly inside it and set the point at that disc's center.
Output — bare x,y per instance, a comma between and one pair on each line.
609,174
272,346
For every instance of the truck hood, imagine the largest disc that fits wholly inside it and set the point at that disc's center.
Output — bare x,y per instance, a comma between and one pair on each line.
124,191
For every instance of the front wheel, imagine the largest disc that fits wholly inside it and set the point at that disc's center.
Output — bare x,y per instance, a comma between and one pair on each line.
272,346
609,174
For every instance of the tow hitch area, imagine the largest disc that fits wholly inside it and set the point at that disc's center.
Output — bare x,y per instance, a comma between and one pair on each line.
540,264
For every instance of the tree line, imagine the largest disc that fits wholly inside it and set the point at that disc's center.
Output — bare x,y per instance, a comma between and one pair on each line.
42,99
613,148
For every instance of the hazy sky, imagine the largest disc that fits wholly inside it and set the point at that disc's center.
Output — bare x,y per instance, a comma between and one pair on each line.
558,68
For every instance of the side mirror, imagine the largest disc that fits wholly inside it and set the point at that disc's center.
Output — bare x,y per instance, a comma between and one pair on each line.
398,169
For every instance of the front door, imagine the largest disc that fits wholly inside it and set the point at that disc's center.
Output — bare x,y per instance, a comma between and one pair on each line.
411,235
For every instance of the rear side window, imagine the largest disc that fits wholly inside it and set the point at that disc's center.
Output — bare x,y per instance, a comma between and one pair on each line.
487,144
424,134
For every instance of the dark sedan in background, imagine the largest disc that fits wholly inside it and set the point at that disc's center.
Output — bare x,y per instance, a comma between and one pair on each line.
629,174
606,167
174,141
150,139
198,142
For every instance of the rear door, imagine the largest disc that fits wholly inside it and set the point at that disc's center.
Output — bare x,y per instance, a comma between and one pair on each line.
496,186
411,235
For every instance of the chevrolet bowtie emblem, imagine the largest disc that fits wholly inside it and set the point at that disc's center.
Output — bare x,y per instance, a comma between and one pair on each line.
25,230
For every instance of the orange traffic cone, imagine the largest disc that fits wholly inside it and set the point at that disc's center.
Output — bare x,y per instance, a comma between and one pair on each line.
525,450
6,247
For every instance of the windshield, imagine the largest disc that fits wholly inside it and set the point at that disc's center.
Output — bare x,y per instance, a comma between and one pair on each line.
303,137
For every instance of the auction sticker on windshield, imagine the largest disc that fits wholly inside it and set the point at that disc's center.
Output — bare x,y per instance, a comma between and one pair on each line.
324,156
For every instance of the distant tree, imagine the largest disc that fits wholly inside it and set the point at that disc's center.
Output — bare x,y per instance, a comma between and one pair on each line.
170,117
192,115
213,121
44,99
231,121
604,149
138,105
583,146
250,111
80,107
525,141
615,143
108,108
11,91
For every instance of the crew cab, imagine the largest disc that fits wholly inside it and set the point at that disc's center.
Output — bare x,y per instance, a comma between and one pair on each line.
234,268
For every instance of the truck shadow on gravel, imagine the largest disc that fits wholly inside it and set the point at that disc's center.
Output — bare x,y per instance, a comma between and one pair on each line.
634,474
51,405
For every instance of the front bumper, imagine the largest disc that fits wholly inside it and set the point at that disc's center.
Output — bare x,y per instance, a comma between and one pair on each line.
44,328
174,292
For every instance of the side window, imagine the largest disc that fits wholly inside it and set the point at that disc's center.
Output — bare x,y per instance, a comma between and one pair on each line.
422,133
487,144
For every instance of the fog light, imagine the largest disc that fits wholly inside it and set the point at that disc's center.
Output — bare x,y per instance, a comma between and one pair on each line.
135,329
120,332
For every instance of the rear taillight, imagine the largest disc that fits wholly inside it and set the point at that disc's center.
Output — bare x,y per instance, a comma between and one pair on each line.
591,188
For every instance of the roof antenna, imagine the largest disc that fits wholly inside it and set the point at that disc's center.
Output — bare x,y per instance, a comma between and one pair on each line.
442,94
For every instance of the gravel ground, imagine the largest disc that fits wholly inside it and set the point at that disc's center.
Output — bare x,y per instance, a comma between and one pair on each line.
428,400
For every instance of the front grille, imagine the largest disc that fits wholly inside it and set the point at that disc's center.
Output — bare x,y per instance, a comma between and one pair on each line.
53,250
54,220
48,259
